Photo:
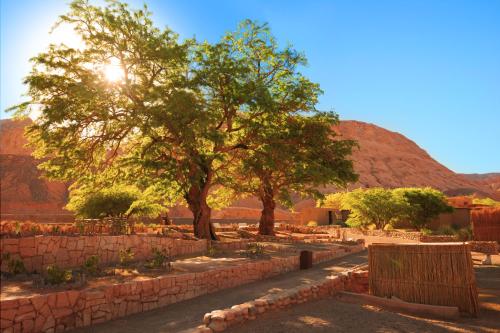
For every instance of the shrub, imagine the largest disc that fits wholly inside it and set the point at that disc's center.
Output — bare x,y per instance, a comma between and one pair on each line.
254,250
388,227
212,251
464,234
426,231
445,230
117,201
312,224
159,260
17,228
55,275
91,265
126,256
14,266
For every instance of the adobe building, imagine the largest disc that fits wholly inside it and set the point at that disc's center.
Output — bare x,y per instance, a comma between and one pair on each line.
323,216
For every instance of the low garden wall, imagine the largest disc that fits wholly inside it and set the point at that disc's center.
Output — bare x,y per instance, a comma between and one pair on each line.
65,310
231,246
488,247
219,320
410,235
71,251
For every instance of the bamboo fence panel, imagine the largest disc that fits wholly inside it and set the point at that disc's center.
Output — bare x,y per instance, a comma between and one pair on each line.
436,274
486,224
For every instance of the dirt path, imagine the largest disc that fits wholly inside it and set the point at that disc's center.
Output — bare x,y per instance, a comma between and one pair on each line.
330,315
189,314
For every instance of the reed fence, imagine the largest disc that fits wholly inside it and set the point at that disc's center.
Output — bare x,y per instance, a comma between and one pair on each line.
486,224
436,274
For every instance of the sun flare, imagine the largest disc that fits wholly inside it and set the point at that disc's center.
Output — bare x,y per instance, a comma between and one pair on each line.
113,72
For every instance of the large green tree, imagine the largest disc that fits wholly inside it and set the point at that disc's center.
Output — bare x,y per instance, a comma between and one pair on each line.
295,156
171,115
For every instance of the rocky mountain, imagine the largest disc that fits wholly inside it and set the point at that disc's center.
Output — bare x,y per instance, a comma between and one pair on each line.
23,191
389,159
489,180
385,158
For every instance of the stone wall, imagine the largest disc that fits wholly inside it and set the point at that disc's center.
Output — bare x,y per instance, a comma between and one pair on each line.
487,247
410,235
437,238
67,310
220,320
67,251
231,246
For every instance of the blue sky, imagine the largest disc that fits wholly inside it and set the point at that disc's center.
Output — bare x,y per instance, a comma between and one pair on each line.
427,69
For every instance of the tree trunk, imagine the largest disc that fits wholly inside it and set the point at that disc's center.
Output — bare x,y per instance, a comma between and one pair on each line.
197,203
266,223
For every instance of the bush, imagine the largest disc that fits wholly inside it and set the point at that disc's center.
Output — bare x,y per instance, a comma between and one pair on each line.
254,250
14,266
212,251
312,224
426,231
126,256
56,276
445,230
159,260
117,201
464,234
91,266
388,227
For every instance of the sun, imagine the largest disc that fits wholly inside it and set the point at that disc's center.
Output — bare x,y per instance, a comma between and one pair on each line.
113,71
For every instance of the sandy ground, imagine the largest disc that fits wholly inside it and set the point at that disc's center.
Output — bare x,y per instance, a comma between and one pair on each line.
330,315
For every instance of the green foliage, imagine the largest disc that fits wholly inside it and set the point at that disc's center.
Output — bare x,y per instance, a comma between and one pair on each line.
182,114
116,201
486,201
422,204
383,207
376,206
91,266
254,250
464,234
159,259
17,228
56,275
14,266
426,231
312,224
445,230
212,251
126,256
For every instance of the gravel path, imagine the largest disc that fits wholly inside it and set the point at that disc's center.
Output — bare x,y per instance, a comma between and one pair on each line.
189,314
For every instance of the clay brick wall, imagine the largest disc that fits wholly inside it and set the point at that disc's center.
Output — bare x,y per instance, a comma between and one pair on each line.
71,251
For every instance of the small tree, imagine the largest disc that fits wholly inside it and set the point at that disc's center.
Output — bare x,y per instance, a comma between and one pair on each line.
422,205
295,156
376,206
117,201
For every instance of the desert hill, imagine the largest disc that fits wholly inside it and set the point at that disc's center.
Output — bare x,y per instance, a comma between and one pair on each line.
385,158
